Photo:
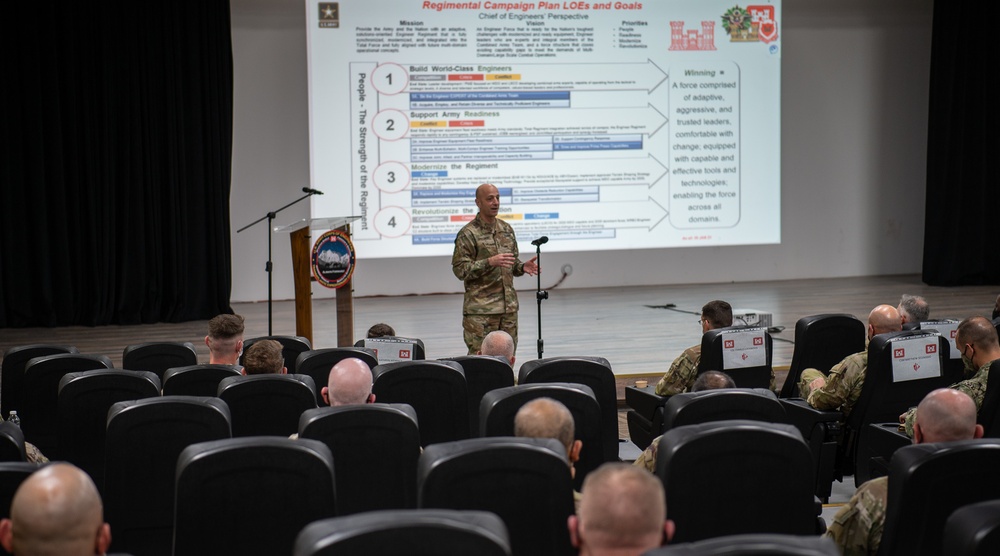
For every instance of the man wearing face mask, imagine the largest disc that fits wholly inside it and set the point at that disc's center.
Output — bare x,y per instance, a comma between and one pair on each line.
976,339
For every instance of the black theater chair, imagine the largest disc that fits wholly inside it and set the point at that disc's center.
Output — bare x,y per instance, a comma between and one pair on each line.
753,545
525,481
713,472
144,438
250,495
11,442
291,347
375,448
483,373
973,530
822,341
268,404
927,482
393,349
435,389
398,532
947,327
157,357
692,408
594,372
498,408
12,474
196,380
39,404
84,400
317,364
12,371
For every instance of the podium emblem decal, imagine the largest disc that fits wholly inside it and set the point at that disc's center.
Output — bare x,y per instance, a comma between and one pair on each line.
333,259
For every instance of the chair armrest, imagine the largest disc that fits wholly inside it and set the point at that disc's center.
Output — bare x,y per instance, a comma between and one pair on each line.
877,443
644,400
806,417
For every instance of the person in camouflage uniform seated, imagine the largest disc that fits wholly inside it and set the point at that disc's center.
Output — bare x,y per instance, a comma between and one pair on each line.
485,258
944,415
842,387
683,371
976,338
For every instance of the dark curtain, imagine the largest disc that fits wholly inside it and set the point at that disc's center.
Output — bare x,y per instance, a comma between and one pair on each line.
115,164
963,190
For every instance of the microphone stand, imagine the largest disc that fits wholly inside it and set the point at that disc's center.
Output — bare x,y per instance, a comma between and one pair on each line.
539,295
267,267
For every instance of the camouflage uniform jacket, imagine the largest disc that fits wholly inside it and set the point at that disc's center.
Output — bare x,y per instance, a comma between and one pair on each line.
843,384
681,374
857,527
647,459
975,387
489,290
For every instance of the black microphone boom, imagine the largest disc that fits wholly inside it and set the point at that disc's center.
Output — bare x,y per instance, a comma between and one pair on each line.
541,241
311,191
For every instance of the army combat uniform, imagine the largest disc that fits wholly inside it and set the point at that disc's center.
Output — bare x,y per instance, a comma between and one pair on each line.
857,527
843,384
975,387
490,299
683,372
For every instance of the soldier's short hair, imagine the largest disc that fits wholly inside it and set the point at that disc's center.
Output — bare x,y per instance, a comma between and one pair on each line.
264,357
621,506
719,312
545,418
499,343
712,380
978,331
915,306
225,327
380,330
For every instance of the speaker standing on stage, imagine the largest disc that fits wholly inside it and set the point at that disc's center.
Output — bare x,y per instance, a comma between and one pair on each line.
486,260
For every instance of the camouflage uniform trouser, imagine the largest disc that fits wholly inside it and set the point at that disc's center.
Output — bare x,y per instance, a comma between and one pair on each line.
476,327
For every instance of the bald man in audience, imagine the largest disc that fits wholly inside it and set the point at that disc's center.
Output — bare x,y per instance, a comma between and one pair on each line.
264,358
842,387
225,339
622,512
548,418
498,343
56,512
349,383
976,339
944,415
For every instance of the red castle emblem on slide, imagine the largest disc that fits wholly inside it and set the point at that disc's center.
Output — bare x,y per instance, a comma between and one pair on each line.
692,39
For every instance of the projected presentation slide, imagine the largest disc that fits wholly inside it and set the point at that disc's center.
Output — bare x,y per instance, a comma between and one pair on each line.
604,125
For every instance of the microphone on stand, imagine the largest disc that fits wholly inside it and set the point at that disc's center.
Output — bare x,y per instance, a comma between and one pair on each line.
311,191
540,241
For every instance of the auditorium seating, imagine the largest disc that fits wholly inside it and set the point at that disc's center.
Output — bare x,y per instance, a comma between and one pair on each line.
144,438
692,408
955,367
927,482
11,442
12,474
405,532
744,372
738,476
291,347
822,341
752,545
499,407
375,449
267,404
594,372
525,481
196,380
317,363
435,389
12,371
84,400
250,495
393,349
973,530
157,357
483,373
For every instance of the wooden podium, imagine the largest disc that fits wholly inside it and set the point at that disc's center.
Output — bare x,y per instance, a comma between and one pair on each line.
302,275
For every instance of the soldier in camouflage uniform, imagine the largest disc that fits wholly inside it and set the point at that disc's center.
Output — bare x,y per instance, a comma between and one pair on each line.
683,371
841,389
976,338
945,415
485,258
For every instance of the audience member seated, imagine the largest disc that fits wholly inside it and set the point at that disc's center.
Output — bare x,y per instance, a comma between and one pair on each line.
225,339
31,452
56,511
708,380
498,343
264,357
976,339
944,415
349,383
842,387
547,418
913,309
380,330
622,512
683,371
